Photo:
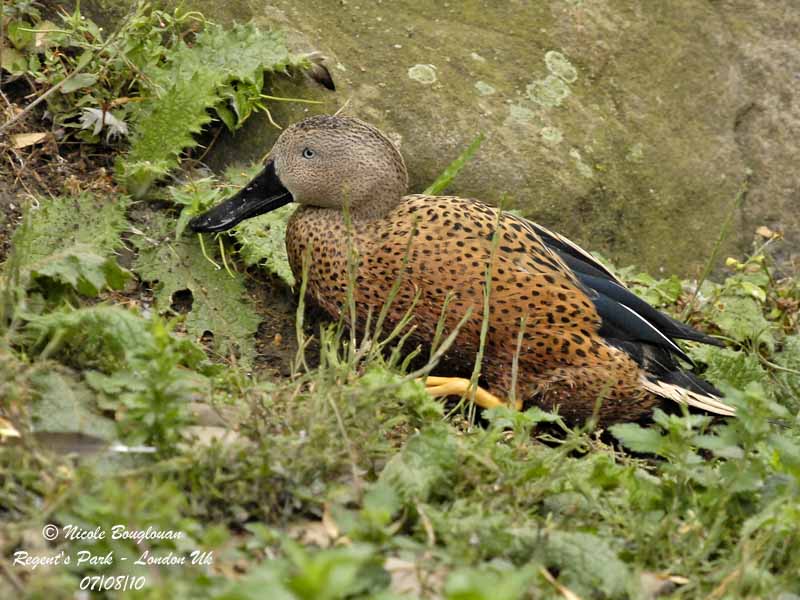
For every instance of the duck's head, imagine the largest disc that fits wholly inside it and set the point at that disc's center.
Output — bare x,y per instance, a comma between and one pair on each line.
323,161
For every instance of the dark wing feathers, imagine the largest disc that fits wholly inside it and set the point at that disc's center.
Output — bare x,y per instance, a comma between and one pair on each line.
687,332
576,258
626,317
665,324
621,322
638,329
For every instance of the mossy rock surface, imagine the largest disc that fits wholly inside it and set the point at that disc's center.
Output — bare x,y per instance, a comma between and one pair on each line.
630,127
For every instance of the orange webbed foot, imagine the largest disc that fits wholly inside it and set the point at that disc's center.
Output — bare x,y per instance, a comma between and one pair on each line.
439,387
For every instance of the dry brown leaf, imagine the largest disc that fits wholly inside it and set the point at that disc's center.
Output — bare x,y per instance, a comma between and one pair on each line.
43,29
653,585
205,435
414,578
404,577
324,533
563,590
7,430
310,533
765,232
22,140
329,523
768,234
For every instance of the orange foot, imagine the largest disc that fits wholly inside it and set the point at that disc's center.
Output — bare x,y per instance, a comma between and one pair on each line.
438,387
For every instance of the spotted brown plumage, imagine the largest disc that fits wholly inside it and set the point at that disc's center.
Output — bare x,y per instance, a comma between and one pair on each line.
584,340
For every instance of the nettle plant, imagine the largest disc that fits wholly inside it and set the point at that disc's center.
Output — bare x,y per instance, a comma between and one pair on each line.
154,82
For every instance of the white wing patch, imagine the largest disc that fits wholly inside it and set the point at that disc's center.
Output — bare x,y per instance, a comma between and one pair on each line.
681,395
652,327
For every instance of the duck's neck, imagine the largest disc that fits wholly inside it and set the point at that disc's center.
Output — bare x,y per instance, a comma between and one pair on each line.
366,214
337,223
324,237
360,218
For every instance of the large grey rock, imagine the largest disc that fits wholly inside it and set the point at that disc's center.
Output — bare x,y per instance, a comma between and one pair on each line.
765,36
629,126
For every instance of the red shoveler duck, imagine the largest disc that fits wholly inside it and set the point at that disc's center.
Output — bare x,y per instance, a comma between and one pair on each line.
581,338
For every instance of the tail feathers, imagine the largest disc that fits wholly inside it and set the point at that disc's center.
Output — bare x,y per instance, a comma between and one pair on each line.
685,388
687,332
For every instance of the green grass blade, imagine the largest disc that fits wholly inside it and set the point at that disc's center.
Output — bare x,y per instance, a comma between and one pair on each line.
455,167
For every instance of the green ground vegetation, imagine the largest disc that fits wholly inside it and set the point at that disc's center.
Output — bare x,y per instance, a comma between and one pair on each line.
344,479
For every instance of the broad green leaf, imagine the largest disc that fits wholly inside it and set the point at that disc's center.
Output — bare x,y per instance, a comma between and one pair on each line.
219,302
328,574
719,445
788,375
85,59
756,291
241,53
195,197
269,575
741,318
489,584
63,222
735,368
226,115
82,269
263,242
71,240
76,82
587,564
637,438
99,337
659,292
139,175
14,61
19,34
64,404
163,128
380,504
424,467
503,417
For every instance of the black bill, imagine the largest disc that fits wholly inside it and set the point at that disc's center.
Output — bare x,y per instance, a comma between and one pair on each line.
263,194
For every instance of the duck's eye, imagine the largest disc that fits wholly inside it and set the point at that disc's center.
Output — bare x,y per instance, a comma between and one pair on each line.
308,153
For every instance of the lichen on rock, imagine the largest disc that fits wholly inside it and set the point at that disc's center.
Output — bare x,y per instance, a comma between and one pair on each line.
559,65
425,74
548,92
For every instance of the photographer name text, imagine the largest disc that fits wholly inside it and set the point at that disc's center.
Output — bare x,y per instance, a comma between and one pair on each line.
89,558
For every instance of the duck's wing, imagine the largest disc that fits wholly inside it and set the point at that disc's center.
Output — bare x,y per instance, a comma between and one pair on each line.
626,318
623,302
578,259
644,333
